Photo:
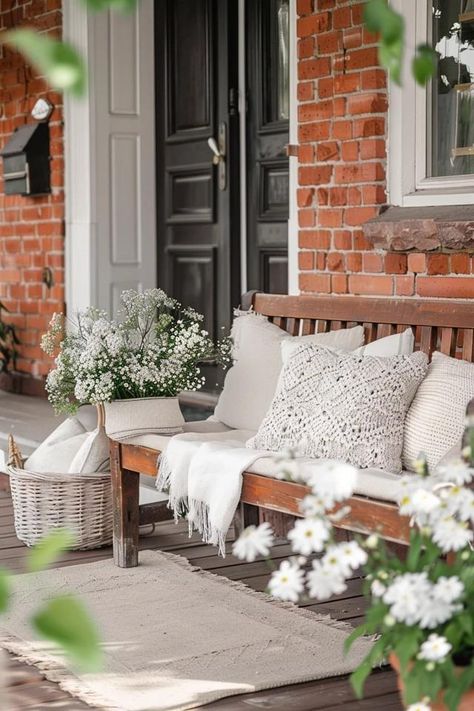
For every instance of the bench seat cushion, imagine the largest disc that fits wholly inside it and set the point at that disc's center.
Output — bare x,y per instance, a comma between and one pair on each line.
374,483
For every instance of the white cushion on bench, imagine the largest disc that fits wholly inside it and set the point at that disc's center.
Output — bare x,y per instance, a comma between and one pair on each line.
375,483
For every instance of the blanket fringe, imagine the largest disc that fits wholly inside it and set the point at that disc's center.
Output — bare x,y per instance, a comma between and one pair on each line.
198,519
179,505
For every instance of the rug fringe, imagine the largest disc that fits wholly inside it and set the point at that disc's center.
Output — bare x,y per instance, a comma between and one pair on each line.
54,671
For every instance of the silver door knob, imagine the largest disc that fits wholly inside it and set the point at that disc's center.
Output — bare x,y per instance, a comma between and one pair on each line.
218,156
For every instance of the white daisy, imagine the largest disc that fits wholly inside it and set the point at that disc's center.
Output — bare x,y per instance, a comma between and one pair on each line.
332,480
324,583
457,472
433,612
253,541
434,649
344,558
377,588
419,706
404,595
308,536
451,535
448,589
287,583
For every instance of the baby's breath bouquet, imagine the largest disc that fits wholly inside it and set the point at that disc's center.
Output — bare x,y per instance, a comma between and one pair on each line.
153,349
421,608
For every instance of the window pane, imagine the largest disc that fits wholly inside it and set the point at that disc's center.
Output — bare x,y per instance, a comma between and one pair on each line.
452,96
275,54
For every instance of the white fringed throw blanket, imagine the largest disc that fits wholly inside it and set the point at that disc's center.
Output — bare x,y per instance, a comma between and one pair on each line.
203,475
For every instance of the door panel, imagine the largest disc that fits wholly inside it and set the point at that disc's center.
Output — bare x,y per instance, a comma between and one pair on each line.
125,247
267,136
197,240
196,76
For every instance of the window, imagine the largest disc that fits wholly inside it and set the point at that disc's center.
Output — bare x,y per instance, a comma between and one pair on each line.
451,129
431,131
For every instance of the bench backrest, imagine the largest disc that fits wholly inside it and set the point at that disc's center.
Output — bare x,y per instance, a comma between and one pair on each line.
443,325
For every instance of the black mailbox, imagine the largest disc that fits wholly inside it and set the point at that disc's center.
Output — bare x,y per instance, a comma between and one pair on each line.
26,169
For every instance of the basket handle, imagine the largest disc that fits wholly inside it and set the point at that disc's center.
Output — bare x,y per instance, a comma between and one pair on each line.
100,415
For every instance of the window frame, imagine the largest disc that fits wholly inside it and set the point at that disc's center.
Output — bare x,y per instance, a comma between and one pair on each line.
408,183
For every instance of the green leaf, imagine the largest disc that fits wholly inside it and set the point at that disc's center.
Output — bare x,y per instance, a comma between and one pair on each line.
359,676
424,63
408,645
4,590
355,634
414,550
64,620
390,57
58,61
49,549
380,17
121,5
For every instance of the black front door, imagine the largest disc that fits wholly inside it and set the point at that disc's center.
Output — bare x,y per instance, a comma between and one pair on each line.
198,201
197,108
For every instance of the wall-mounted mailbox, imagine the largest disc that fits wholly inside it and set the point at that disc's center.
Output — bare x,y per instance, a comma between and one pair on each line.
26,169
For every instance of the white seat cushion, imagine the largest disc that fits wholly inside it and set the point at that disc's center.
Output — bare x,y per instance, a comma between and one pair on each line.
160,442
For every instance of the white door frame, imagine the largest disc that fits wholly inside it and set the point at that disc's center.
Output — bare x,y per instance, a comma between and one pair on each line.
80,171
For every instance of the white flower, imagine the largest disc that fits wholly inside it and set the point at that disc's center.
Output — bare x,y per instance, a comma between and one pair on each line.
312,506
433,612
253,541
323,582
457,472
405,595
308,536
448,589
344,558
331,480
419,706
424,501
451,535
434,649
372,542
377,588
287,583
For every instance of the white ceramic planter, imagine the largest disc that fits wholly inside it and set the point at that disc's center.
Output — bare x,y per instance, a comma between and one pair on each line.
147,415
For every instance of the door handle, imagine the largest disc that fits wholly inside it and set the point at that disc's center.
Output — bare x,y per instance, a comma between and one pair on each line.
219,150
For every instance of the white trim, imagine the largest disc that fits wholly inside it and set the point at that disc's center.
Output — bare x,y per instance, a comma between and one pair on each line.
293,287
79,171
242,147
408,184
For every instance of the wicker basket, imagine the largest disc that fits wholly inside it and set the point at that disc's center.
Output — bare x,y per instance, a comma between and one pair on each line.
81,503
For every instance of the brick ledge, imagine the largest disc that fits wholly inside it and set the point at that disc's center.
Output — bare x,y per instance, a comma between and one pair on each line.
424,229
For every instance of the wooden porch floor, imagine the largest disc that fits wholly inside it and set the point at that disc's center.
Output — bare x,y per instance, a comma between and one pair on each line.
29,690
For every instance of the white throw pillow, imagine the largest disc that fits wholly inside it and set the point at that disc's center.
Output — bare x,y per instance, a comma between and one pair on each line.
342,406
251,382
435,420
93,454
398,344
58,450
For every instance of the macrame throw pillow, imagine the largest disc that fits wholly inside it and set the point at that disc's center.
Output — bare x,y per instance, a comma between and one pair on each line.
435,420
342,406
251,382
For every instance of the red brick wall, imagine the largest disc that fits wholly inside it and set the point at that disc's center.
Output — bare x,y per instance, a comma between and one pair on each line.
342,111
31,228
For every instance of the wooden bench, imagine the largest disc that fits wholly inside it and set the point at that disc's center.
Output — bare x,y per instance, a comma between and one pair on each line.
444,325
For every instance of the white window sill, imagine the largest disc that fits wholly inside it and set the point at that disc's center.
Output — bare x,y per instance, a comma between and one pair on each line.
435,198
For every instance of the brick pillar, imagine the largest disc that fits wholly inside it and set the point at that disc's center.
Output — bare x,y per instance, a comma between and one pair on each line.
31,228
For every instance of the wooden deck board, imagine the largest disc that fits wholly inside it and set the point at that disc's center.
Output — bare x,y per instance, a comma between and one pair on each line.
29,690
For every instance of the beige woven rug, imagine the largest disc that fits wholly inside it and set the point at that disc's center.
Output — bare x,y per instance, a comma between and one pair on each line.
176,637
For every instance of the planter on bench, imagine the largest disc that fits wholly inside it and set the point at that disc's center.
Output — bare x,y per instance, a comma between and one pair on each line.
447,326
